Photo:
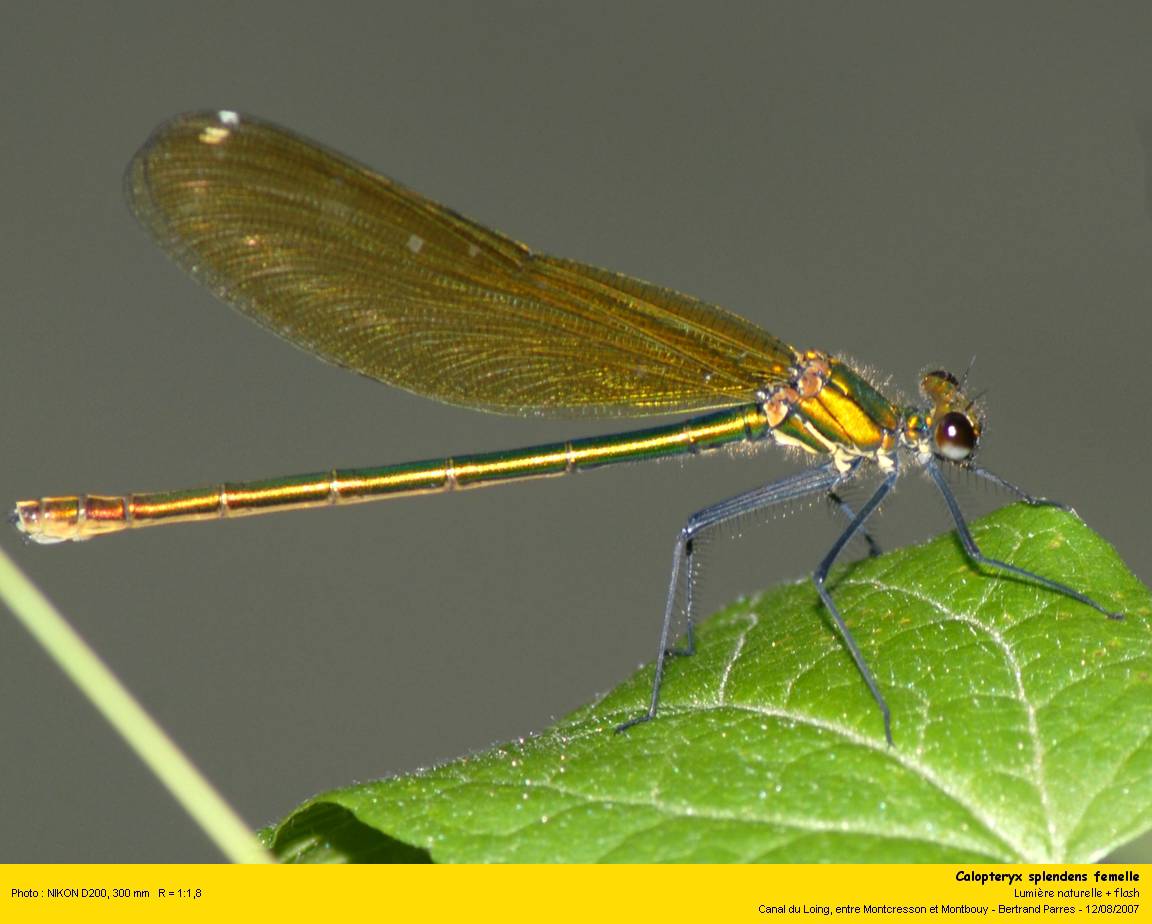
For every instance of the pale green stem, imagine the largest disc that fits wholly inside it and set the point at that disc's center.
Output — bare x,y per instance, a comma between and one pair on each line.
189,787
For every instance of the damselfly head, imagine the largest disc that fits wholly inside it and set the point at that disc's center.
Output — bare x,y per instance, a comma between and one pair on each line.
954,421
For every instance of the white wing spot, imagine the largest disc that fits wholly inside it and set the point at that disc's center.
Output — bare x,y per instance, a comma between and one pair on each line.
228,117
473,250
415,243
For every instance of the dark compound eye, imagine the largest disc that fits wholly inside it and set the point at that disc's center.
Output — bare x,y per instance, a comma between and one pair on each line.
955,436
946,377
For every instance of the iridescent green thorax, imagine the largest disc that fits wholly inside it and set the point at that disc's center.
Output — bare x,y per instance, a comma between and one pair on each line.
829,408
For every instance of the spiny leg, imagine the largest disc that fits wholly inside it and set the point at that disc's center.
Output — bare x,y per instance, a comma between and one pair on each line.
821,576
974,553
819,480
689,648
874,550
1015,489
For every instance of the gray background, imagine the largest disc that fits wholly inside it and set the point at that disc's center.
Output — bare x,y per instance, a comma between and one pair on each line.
910,185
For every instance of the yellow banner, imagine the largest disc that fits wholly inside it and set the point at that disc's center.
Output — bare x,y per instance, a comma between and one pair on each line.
700,894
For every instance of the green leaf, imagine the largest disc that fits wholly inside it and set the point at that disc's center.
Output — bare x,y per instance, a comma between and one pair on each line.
1022,724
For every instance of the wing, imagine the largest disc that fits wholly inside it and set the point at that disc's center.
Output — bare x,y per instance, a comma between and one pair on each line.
367,274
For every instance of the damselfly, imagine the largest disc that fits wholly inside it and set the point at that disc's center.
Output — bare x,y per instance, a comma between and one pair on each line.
371,276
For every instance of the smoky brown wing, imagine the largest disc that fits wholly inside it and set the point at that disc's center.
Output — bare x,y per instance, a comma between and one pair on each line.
352,266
